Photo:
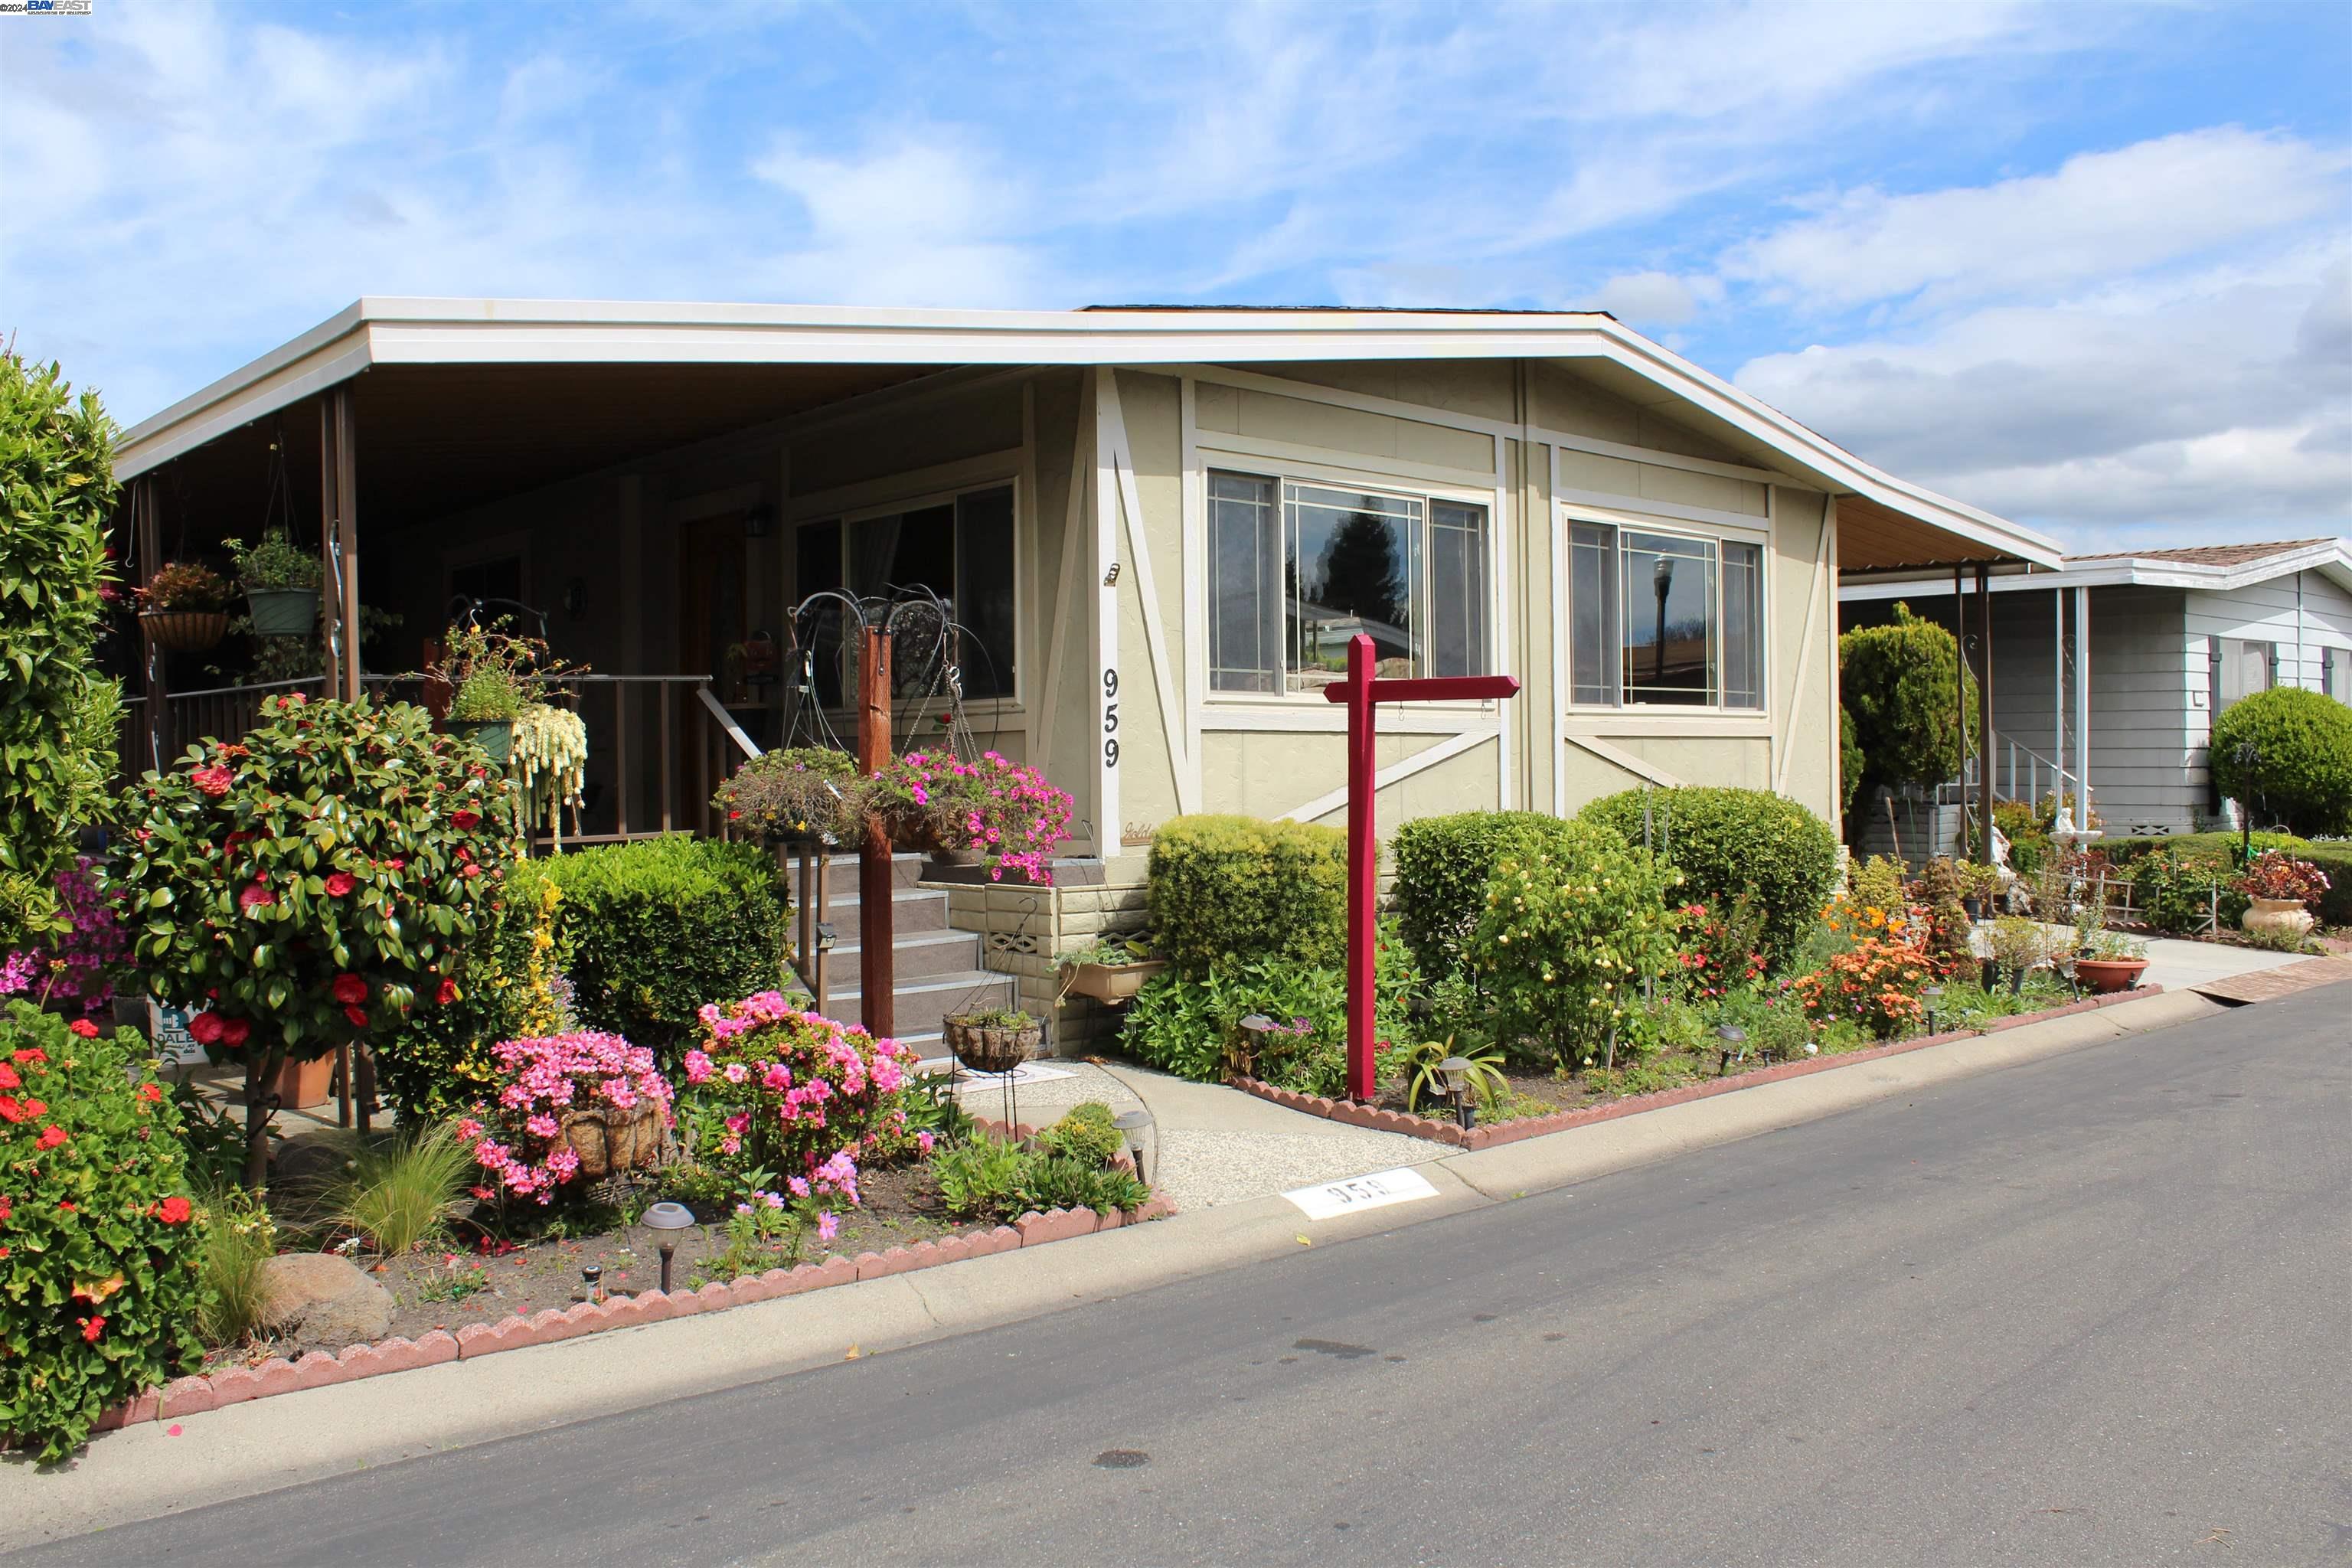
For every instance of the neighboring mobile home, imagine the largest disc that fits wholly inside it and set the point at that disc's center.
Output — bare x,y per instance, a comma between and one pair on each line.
2123,659
1158,527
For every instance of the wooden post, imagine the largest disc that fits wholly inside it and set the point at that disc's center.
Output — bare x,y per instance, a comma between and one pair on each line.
345,682
876,984
1984,713
147,551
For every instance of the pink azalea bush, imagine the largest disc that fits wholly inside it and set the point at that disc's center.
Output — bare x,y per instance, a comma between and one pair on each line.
520,1141
1001,810
773,1088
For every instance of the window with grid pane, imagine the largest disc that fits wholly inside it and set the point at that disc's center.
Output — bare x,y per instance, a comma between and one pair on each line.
1659,619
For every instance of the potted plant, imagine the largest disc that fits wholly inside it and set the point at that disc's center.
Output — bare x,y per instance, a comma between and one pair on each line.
2110,962
1983,891
281,585
991,815
492,675
2278,888
802,795
994,1040
183,608
1110,971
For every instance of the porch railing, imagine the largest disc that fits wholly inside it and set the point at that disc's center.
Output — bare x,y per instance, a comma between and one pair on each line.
658,746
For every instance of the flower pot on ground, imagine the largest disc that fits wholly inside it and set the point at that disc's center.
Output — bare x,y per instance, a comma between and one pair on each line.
2107,975
301,1085
995,1041
2280,917
2278,888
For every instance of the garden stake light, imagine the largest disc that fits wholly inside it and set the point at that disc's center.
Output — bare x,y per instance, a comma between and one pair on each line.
1731,1035
591,1280
1254,1029
667,1216
1455,1071
1931,995
1133,1123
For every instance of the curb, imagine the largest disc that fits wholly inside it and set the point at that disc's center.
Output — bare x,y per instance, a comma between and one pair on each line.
318,1369
1491,1136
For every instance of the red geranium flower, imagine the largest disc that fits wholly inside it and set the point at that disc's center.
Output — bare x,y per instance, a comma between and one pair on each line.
8,1078
462,818
50,1137
91,1328
172,1210
234,1032
84,1027
29,1054
358,1018
6,1208
207,1026
350,988
13,1110
339,884
150,1093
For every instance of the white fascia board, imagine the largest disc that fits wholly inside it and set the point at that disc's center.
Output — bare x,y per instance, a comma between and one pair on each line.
383,331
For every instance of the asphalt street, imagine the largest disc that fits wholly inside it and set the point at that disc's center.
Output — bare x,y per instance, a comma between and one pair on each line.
2096,1309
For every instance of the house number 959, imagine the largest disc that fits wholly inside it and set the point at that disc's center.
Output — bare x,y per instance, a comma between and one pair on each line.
1111,718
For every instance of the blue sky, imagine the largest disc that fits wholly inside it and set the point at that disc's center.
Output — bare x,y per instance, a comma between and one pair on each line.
2089,267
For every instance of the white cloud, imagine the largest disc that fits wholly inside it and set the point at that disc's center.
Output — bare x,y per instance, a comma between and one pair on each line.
2099,215
1643,298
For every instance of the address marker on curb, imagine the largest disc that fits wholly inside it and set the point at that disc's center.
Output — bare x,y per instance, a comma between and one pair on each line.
1328,1200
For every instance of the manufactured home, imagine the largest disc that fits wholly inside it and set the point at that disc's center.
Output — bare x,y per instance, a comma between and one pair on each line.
1157,529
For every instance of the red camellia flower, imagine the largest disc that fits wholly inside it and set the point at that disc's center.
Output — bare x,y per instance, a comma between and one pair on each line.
234,1032
469,870
350,988
447,994
339,884
256,896
84,1027
357,1016
172,1210
462,818
207,1026
50,1137
214,781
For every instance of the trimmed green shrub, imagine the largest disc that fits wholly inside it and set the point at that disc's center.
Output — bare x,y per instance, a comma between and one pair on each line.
1442,866
2301,777
1086,1132
1898,682
987,1179
58,717
2334,908
1727,841
662,927
2174,889
1569,938
99,1247
1226,888
1184,1024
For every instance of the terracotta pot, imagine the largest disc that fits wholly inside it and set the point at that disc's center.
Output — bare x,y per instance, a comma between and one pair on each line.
184,631
2106,975
607,1140
1113,983
301,1085
991,1048
282,612
2285,916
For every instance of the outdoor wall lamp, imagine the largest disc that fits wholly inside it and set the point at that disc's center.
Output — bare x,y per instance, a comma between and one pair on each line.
1455,1071
757,519
1134,1124
1735,1042
1931,995
665,1217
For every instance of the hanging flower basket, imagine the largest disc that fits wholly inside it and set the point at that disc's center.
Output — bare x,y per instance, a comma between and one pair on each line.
608,1140
983,1044
494,736
282,612
184,631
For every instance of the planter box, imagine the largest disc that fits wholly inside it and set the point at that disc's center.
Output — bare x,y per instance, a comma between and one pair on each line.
184,631
282,612
1112,982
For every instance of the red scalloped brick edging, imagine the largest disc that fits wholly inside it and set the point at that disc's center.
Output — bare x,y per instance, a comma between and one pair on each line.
1487,1137
316,1369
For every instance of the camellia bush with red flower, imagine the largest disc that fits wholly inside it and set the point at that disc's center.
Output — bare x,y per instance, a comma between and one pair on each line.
775,1092
1003,811
521,1139
99,1247
311,883
1876,984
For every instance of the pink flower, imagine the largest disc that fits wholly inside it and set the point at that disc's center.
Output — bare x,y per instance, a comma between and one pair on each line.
340,883
828,1225
256,896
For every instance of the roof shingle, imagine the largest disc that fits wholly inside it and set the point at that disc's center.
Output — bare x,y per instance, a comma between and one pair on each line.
2209,554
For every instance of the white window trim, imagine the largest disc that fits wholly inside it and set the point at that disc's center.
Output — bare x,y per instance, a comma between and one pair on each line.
1709,718
1217,707
1013,704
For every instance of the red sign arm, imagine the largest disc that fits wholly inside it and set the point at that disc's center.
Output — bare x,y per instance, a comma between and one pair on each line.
1441,688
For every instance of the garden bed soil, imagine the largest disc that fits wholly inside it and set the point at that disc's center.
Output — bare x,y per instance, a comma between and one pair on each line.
448,1285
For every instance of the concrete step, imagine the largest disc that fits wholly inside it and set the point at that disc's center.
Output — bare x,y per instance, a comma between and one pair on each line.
914,955
920,1005
839,873
912,910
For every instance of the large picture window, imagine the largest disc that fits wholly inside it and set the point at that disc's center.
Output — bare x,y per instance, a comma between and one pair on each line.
1660,619
1296,570
960,549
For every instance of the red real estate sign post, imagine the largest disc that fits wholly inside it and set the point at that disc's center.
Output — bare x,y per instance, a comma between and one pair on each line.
1361,693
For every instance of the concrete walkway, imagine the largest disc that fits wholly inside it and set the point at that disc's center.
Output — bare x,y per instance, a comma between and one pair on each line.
2178,965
